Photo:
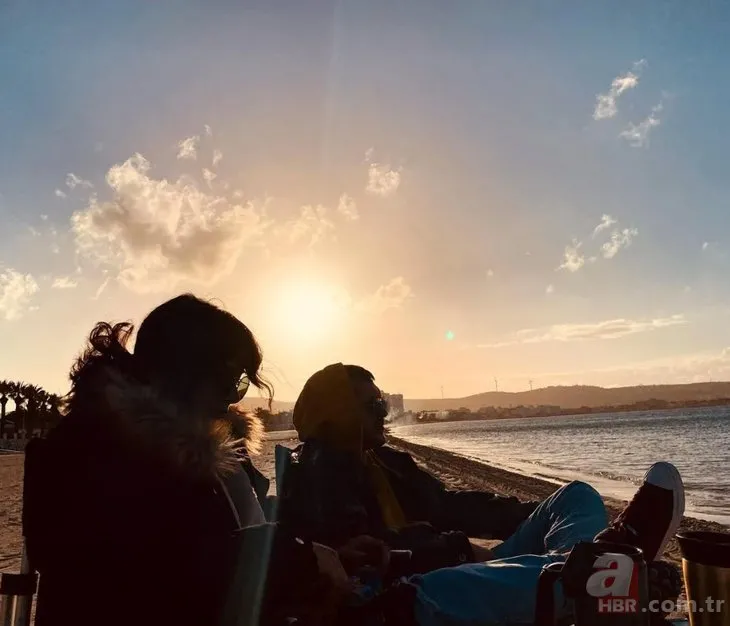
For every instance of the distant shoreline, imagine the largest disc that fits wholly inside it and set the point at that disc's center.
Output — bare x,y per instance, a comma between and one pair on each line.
414,418
519,412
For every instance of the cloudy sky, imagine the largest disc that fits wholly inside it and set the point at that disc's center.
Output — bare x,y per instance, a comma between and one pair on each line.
443,192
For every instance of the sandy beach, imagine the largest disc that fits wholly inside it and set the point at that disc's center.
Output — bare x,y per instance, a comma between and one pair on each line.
455,471
11,490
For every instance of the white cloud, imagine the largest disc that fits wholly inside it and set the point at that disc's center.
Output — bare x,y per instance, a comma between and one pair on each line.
209,177
369,155
573,258
208,130
55,248
638,134
550,289
619,239
16,293
217,157
609,329
312,223
606,222
34,231
490,273
73,181
705,245
64,282
347,207
59,193
155,233
188,148
606,103
394,295
382,181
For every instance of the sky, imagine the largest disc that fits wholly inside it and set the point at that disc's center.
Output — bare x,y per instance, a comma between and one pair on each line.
445,193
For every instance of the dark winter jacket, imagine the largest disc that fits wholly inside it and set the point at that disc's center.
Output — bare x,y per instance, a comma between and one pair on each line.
126,521
328,498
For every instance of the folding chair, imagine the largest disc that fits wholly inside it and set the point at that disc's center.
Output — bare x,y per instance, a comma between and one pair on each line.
17,590
282,463
16,595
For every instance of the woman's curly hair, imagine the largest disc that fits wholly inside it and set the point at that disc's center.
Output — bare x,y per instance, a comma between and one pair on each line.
182,341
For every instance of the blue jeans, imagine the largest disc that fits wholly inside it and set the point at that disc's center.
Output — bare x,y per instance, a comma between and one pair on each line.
502,592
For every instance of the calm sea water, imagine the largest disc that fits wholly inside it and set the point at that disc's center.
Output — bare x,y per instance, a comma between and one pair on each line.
610,451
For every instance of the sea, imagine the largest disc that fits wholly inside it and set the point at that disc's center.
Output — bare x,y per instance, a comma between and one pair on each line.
611,451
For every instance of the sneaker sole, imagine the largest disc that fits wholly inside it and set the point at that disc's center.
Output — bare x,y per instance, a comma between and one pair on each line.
666,476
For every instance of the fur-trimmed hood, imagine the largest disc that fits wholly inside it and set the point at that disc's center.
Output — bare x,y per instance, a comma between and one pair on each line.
196,445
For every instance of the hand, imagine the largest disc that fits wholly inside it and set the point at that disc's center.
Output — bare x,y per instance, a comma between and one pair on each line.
365,551
330,566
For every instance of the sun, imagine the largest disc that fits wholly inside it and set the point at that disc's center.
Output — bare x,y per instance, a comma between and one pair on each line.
307,311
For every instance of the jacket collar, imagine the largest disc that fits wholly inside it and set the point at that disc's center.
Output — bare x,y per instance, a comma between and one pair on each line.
197,445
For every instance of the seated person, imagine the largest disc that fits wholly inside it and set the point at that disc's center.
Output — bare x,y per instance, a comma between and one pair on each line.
143,507
346,482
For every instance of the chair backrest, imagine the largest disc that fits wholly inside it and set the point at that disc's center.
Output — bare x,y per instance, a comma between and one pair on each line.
35,497
282,461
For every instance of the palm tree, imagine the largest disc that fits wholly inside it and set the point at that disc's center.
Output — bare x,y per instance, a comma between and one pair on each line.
4,391
42,410
17,394
53,404
49,412
35,397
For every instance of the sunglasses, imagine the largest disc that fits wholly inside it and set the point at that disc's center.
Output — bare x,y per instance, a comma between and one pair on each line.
242,385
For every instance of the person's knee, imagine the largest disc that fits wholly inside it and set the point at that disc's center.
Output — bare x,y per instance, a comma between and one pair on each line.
581,491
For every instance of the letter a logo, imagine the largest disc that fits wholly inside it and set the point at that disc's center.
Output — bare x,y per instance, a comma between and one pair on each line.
613,578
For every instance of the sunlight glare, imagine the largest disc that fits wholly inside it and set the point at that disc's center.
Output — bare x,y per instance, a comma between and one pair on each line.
308,311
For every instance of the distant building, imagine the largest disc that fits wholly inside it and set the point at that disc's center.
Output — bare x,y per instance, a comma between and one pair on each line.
395,403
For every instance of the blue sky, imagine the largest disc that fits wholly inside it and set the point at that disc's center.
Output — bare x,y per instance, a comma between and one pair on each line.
386,172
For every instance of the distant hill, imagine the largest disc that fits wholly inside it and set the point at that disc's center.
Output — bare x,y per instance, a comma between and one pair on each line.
577,396
567,397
